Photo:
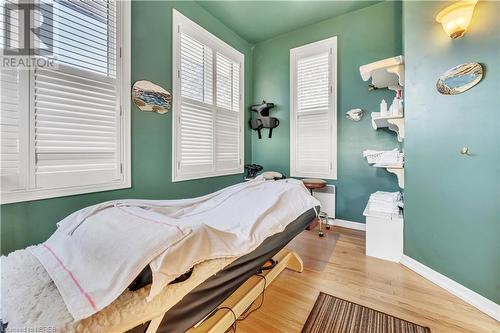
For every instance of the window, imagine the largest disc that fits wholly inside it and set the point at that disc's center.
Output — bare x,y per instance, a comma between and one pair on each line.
313,114
65,128
208,103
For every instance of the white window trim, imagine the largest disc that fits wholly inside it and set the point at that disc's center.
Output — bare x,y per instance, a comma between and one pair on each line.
124,34
312,47
178,21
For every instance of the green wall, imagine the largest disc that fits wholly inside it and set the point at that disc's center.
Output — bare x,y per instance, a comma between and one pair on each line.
452,206
29,223
452,213
364,36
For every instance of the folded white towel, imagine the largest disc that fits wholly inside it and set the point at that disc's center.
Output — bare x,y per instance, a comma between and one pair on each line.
386,202
386,196
384,209
383,158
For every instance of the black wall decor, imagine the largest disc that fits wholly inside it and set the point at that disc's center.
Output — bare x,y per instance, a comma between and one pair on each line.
263,120
253,170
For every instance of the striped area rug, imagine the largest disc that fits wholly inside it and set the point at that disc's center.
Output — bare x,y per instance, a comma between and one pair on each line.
334,315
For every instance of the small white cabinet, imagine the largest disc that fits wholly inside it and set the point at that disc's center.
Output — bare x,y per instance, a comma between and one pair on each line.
384,235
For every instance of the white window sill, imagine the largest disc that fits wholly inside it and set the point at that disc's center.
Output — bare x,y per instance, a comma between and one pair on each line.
30,195
311,175
180,178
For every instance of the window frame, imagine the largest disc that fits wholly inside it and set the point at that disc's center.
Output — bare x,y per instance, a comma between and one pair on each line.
182,23
30,192
295,54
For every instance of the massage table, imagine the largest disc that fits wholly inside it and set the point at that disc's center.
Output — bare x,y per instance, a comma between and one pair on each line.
233,286
205,298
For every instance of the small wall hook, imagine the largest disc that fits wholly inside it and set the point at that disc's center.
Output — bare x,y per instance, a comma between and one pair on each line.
465,151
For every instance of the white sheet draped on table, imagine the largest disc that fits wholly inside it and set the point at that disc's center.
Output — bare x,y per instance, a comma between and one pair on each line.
96,252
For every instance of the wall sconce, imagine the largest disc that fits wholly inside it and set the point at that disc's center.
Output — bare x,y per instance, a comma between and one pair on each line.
456,18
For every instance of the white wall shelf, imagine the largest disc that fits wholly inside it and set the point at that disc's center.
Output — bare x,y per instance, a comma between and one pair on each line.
398,170
384,233
386,73
394,123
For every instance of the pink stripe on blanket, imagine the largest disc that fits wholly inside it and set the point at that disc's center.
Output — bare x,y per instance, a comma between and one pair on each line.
82,291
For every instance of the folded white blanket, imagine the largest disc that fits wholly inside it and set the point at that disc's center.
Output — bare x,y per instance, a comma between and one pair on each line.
97,252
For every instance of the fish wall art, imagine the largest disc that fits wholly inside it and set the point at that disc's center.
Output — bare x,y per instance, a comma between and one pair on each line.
460,78
148,96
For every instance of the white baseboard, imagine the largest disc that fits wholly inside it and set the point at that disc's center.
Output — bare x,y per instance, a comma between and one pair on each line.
480,302
349,224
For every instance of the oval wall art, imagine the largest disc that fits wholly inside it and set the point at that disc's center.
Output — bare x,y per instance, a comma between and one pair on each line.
148,96
460,78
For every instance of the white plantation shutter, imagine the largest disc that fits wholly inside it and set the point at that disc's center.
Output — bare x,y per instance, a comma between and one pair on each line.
197,115
9,125
313,146
207,104
82,33
228,140
196,138
73,138
228,83
76,106
314,151
76,128
197,70
13,140
13,110
228,116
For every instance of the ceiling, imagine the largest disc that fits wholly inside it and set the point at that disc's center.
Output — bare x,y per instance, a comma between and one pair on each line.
256,21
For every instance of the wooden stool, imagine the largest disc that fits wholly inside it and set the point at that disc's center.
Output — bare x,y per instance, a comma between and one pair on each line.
314,184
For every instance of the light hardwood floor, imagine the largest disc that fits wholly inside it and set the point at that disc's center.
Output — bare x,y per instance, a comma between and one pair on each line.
381,285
